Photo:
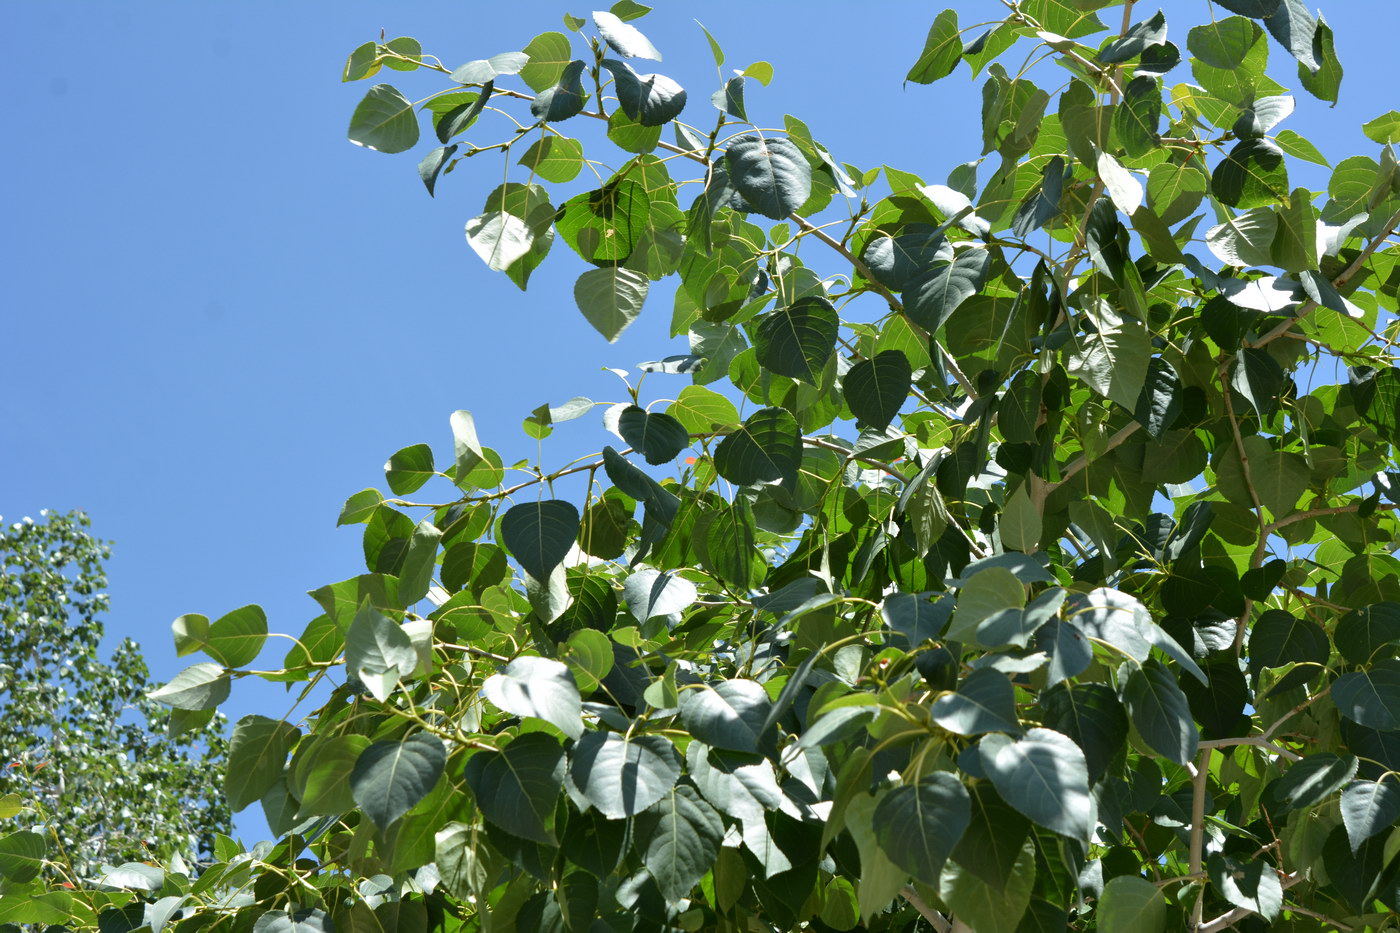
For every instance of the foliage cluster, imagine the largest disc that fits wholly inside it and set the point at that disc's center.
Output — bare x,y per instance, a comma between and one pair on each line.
1031,567
93,769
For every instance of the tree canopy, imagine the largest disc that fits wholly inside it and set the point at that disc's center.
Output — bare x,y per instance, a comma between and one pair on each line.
1011,550
91,766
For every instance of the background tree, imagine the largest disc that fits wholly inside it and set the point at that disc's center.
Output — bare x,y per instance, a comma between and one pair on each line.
1031,568
108,775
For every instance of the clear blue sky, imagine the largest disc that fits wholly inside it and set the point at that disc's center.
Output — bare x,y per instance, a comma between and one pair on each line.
221,317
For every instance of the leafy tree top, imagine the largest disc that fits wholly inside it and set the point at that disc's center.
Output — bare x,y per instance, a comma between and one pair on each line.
1010,551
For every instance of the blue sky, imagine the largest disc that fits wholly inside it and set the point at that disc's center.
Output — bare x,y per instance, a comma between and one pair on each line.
221,317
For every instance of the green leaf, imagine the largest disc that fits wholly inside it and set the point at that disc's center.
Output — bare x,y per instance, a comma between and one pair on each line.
611,298
765,448
487,70
1136,119
917,825
984,906
626,10
1130,904
500,239
931,298
1384,129
797,340
990,848
1295,245
518,787
306,920
358,508
1245,239
622,775
538,687
650,99
1279,638
554,158
462,116
984,702
1043,774
1113,360
1326,81
1370,698
1021,526
877,388
701,410
728,715
1254,174
256,756
407,470
658,437
384,121
466,447
1298,147
362,63
771,174
197,687
679,837
539,534
320,775
1308,782
406,46
1092,717
742,786
1175,190
1124,190
1135,40
1160,712
1253,886
1160,404
623,39
1369,808
895,261
378,652
943,50
729,544
730,99
1293,26
549,54
391,777
1225,43
22,856
565,99
1362,633
432,164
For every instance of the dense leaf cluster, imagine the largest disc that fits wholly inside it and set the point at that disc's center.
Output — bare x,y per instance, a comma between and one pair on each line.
1031,567
94,772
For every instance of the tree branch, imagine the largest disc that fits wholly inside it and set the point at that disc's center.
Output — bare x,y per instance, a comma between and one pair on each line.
935,919
1198,828
1239,913
1258,740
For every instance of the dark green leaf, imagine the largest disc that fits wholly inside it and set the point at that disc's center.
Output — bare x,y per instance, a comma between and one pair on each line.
984,702
1253,175
256,758
1224,43
931,298
765,448
1362,633
462,116
650,99
771,174
679,836
730,98
1279,638
1293,25
1370,698
798,339
993,839
1137,117
1161,712
432,164
1044,775
1326,81
611,298
1043,203
1369,808
518,787
306,920
742,786
391,777
1219,704
1092,717
1311,781
1136,40
384,121
539,534
728,715
729,544
21,856
1160,402
917,825
1257,377
623,775
657,437
895,261
877,388
407,470
565,99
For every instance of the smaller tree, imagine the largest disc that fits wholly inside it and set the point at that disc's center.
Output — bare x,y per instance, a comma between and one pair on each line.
108,774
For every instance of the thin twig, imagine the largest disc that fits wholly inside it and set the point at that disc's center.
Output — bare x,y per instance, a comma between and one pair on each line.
937,920
1198,828
1239,913
1258,740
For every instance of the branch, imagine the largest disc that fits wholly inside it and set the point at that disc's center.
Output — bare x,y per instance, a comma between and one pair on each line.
1340,281
1296,517
1239,913
1080,462
1198,828
1258,740
935,919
